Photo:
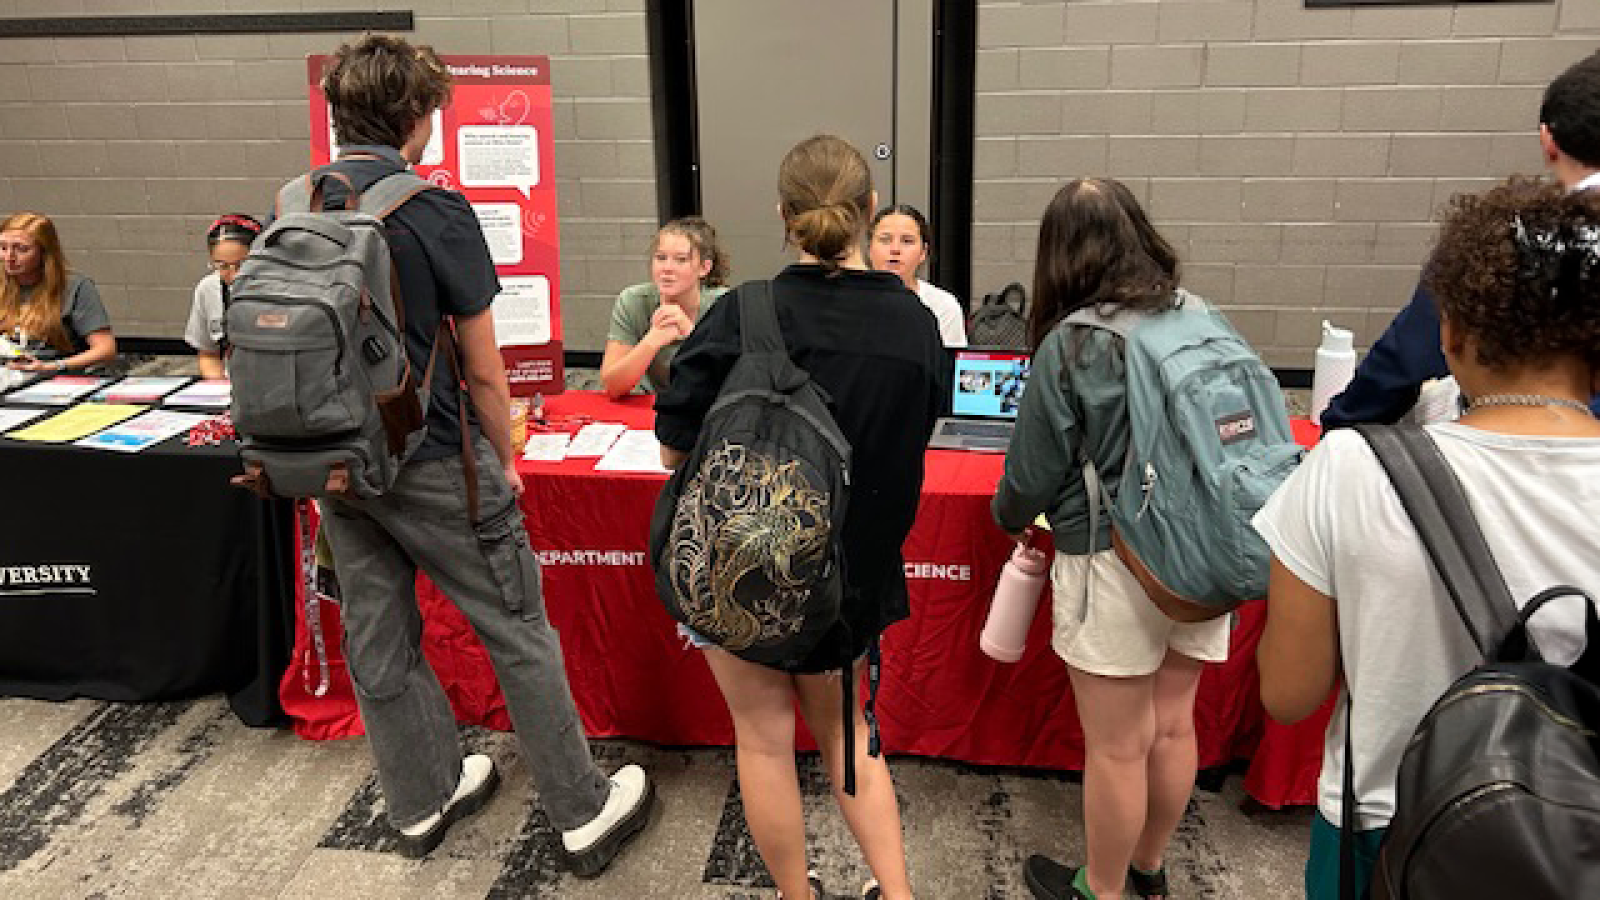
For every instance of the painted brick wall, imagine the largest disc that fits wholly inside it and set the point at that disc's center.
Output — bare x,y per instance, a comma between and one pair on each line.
1295,157
133,145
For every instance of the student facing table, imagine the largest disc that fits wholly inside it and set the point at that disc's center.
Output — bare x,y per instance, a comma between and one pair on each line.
632,676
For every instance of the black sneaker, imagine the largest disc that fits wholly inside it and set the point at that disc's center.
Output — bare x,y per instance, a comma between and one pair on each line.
1050,880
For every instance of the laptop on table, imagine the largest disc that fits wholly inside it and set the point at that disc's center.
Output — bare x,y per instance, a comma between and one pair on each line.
986,386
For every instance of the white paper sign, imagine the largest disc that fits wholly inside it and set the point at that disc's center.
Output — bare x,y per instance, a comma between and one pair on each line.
595,438
522,311
547,447
498,156
502,229
636,451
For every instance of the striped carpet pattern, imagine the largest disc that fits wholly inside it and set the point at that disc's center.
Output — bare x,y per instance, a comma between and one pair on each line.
102,800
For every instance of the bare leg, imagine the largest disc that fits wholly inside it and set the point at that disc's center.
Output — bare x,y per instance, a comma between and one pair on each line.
1173,757
1118,717
762,703
873,813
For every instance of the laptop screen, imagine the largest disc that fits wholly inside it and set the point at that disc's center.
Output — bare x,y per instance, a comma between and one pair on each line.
988,383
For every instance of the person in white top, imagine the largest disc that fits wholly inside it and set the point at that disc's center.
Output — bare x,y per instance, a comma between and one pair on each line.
228,241
1353,594
898,242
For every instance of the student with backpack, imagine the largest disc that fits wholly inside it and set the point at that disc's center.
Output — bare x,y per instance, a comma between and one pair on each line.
1102,270
765,549
1355,601
437,488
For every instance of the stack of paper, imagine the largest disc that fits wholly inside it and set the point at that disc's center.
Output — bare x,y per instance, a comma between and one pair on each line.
145,431
77,422
215,393
58,391
635,451
13,418
138,389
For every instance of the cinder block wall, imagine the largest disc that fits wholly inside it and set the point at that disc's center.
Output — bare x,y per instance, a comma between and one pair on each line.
133,145
1295,157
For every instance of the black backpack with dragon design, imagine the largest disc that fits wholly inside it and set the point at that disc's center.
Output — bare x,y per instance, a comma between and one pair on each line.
745,535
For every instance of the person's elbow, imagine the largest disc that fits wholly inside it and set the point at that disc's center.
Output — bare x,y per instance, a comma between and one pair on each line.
615,386
1287,704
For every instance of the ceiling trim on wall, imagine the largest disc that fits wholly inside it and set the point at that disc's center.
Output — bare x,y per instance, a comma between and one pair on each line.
220,23
1327,4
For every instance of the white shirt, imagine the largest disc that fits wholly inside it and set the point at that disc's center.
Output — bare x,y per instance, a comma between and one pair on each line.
947,310
1338,525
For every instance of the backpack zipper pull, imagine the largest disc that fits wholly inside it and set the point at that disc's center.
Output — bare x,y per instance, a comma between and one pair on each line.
1146,488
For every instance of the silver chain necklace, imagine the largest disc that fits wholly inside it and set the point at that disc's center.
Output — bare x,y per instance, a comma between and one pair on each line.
1527,400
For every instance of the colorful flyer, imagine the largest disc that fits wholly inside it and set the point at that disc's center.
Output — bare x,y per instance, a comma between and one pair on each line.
215,393
138,389
144,431
493,143
57,391
78,422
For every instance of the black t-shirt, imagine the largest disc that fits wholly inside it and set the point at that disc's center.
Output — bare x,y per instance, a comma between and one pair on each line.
444,269
872,345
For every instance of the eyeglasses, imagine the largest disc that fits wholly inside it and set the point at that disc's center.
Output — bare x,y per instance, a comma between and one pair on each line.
224,266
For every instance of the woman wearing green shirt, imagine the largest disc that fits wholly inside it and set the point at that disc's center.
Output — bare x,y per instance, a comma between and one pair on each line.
688,272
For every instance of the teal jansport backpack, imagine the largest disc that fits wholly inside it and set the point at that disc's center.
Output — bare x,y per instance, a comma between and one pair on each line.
1210,442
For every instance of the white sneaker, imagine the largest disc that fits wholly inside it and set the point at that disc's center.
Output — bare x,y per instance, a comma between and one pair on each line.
479,779
591,847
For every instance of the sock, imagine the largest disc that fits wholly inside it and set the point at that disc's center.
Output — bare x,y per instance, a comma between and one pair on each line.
1080,882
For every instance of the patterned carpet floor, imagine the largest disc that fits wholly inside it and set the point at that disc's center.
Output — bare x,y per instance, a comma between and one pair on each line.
105,800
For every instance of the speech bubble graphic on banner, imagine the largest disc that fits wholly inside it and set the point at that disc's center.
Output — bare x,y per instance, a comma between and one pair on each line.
499,156
502,231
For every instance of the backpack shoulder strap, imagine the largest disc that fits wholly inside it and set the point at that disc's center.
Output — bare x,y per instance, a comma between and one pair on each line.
758,320
390,192
294,197
1433,499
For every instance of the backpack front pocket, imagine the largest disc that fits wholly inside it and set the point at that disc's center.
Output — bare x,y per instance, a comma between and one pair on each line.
292,355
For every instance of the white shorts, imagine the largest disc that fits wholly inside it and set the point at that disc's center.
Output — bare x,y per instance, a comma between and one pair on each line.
1125,634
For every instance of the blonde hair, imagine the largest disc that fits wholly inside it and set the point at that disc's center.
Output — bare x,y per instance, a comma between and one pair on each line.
703,238
42,316
825,192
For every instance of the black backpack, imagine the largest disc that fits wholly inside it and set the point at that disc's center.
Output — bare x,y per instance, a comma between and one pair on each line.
1498,793
745,535
1001,319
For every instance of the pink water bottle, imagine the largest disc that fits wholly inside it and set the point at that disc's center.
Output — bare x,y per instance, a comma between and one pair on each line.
1005,634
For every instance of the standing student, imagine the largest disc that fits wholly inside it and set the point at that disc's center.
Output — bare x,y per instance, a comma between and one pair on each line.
898,242
688,272
1134,671
228,243
1407,355
1354,599
876,352
383,92
54,315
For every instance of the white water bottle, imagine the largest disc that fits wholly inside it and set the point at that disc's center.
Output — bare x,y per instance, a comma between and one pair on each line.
1016,597
1336,365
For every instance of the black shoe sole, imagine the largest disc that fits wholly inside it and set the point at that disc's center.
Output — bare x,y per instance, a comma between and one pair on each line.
596,859
421,845
1043,891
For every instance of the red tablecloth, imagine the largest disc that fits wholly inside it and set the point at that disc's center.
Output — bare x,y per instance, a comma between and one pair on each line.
632,676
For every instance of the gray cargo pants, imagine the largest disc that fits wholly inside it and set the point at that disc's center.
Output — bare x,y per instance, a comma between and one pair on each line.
491,575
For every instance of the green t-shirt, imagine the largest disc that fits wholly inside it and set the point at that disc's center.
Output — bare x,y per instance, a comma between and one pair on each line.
630,322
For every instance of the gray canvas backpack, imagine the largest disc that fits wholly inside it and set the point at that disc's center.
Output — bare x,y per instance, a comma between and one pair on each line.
1210,442
325,400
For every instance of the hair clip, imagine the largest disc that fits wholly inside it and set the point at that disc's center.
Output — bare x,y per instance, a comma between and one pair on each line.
246,223
1564,257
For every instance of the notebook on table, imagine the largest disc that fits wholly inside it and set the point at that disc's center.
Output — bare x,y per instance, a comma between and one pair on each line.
986,385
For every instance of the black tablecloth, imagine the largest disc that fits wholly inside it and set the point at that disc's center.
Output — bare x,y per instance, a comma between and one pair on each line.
188,580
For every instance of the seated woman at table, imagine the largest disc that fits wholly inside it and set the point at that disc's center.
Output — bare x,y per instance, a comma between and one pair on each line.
688,272
1353,592
53,316
877,354
228,240
898,242
1134,672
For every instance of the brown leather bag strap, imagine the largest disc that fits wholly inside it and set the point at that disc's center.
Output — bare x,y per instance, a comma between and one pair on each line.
469,459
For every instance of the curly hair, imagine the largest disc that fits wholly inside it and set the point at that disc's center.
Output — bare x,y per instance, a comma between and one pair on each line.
380,86
1517,268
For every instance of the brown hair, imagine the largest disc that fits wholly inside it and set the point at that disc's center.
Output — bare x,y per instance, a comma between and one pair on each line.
1091,252
1517,268
380,86
703,238
825,193
41,317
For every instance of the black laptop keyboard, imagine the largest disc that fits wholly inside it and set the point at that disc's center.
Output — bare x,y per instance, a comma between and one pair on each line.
978,429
